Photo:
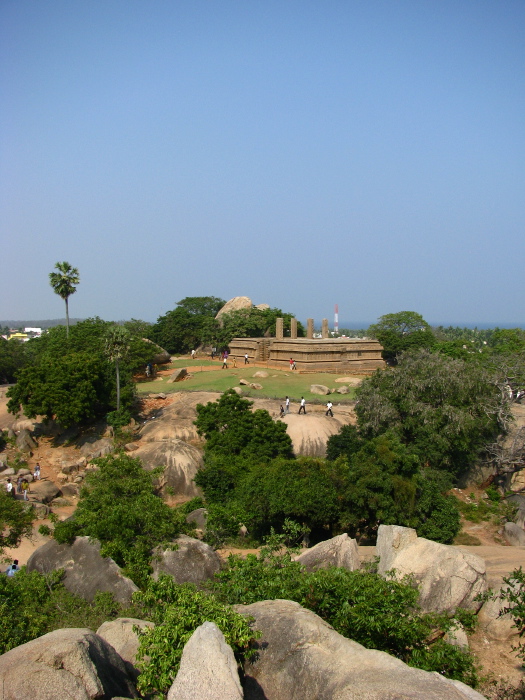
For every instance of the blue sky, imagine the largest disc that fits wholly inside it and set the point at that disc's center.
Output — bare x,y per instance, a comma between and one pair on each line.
366,153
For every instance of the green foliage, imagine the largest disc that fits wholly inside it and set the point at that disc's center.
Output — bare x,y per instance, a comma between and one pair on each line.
64,283
33,604
402,331
477,511
202,306
345,443
378,613
252,323
71,379
12,359
231,429
446,410
16,519
513,595
118,507
118,419
177,612
187,326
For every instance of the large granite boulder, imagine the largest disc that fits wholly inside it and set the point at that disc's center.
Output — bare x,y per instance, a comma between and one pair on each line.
177,376
65,664
159,355
86,571
208,669
493,621
192,561
319,389
234,305
44,491
310,433
180,460
447,577
514,535
173,422
96,447
122,637
518,499
341,551
25,442
302,656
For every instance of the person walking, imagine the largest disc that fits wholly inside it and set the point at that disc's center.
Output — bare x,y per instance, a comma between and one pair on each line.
225,361
281,412
10,489
234,364
302,407
329,409
287,405
25,489
36,475
19,484
246,359
193,354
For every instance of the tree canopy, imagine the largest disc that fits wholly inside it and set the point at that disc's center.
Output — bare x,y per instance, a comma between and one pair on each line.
405,330
64,283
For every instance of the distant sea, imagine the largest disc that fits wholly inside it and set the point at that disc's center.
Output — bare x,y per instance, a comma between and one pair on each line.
357,325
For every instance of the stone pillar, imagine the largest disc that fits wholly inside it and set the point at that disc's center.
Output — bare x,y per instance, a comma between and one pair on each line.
310,328
293,328
324,328
279,328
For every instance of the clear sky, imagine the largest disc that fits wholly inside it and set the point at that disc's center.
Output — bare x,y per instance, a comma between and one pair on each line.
364,152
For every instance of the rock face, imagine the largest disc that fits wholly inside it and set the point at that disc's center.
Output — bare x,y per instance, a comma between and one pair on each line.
96,447
514,535
120,634
301,656
310,433
180,460
447,577
44,491
319,389
68,663
199,517
25,442
340,551
207,668
174,422
193,561
234,305
493,623
177,375
159,356
86,572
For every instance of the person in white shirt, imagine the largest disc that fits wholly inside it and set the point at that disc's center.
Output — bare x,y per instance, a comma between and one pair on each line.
302,407
329,409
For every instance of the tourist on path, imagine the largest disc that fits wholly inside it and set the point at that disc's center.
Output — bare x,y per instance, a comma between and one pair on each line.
329,409
287,405
10,489
302,407
225,361
25,489
281,412
193,354
246,359
36,475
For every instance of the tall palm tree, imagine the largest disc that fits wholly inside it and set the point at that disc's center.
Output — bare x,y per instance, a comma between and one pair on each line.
116,348
63,283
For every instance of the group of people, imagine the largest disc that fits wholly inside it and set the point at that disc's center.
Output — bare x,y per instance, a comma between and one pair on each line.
13,568
302,407
22,484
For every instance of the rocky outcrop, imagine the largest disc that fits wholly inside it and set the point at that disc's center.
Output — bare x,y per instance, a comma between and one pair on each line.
301,656
67,663
174,422
234,305
310,433
86,571
340,551
207,668
192,561
199,517
447,577
96,447
159,356
25,442
44,491
514,535
122,637
492,620
180,460
177,376
319,389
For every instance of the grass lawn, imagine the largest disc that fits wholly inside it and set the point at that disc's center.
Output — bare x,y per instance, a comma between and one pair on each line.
277,385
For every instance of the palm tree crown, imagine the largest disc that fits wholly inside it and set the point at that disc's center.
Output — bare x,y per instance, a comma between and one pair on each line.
63,283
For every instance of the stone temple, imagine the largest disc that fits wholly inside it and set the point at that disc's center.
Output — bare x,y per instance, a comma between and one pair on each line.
325,354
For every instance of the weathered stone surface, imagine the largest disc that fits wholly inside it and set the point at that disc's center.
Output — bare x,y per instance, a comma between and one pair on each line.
86,572
447,577
173,422
237,390
262,307
494,624
244,382
65,664
70,489
25,442
254,385
193,561
208,669
234,305
518,500
96,447
343,390
457,637
339,551
45,491
261,374
159,356
180,460
199,517
177,375
120,634
514,535
301,656
319,389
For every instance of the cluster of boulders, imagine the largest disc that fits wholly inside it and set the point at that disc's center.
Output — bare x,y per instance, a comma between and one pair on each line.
298,654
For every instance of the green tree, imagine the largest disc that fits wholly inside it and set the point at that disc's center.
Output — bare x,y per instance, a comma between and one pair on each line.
64,283
446,410
117,348
202,306
16,521
405,330
118,507
252,323
12,358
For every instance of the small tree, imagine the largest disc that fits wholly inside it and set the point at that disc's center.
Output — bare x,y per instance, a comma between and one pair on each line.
15,521
117,347
405,330
63,283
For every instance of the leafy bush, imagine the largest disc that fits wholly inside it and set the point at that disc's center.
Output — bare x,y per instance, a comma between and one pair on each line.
118,419
16,520
177,612
378,613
